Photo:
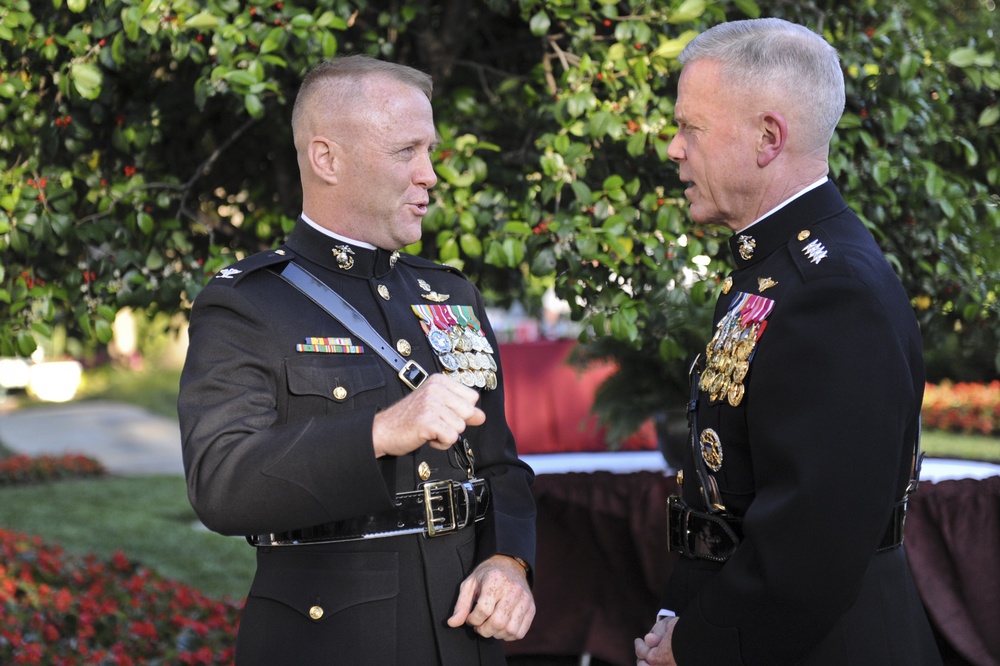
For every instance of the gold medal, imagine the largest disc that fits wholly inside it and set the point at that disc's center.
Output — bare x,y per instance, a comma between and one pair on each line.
735,394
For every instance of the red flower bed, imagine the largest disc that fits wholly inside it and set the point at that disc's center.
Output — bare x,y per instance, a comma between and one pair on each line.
26,469
963,407
63,610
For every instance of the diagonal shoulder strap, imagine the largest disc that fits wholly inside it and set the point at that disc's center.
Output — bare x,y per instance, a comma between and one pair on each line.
410,372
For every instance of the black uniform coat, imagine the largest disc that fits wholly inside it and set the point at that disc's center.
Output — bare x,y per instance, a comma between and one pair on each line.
268,447
814,457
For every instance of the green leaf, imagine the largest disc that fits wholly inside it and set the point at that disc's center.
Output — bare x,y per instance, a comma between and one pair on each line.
104,331
254,106
204,20
748,7
26,344
989,116
471,245
76,6
145,223
86,79
688,11
963,57
540,24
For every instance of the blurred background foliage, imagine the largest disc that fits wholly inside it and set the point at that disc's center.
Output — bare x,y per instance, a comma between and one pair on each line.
145,144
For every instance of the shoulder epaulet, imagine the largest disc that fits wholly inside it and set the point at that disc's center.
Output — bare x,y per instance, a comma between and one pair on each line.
815,254
231,275
420,262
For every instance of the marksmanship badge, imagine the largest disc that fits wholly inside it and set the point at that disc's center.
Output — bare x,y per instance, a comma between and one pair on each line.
711,449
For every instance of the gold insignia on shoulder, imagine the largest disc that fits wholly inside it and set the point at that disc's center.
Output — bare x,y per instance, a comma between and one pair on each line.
804,234
727,284
383,291
765,283
342,255
747,245
435,297
711,449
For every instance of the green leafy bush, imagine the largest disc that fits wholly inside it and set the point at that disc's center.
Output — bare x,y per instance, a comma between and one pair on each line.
144,145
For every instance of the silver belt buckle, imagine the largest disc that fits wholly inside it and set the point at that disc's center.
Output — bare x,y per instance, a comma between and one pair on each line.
439,505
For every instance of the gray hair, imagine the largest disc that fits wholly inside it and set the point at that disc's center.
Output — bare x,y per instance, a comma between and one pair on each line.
342,80
774,57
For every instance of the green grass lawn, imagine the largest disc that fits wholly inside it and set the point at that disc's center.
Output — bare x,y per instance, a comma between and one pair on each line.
149,519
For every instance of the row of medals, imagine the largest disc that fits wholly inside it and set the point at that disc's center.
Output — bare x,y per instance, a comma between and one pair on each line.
727,363
467,356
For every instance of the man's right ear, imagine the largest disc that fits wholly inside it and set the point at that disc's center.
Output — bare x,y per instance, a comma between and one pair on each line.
323,158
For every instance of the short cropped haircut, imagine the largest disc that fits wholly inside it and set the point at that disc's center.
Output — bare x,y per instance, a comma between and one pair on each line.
342,80
773,56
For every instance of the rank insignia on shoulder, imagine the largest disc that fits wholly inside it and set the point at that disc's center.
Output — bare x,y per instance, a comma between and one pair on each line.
815,251
329,346
731,349
228,273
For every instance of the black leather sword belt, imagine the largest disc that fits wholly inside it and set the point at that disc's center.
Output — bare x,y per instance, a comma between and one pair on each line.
707,536
437,508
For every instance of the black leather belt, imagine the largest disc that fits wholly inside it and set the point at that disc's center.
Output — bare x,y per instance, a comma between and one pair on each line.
437,508
699,535
707,536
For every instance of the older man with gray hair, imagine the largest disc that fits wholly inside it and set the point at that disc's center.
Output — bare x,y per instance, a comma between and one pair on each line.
805,406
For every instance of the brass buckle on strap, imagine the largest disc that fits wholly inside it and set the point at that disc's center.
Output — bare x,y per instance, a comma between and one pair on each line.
439,505
412,375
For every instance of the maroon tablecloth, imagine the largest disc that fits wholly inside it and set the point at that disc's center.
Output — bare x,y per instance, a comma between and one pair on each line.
548,402
602,561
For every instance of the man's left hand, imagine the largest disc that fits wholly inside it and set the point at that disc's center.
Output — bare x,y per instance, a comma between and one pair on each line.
495,600
655,649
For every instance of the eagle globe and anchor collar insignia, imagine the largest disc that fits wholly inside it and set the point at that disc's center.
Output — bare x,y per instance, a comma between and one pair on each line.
747,244
731,349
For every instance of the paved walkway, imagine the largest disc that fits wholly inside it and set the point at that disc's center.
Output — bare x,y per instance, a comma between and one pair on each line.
128,440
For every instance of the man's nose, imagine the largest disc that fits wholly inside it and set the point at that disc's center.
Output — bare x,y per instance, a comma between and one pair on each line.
424,176
675,149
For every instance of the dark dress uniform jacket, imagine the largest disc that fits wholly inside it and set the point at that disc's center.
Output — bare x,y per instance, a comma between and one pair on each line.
270,444
814,457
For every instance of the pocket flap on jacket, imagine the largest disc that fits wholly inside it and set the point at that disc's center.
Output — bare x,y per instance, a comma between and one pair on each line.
322,375
330,581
